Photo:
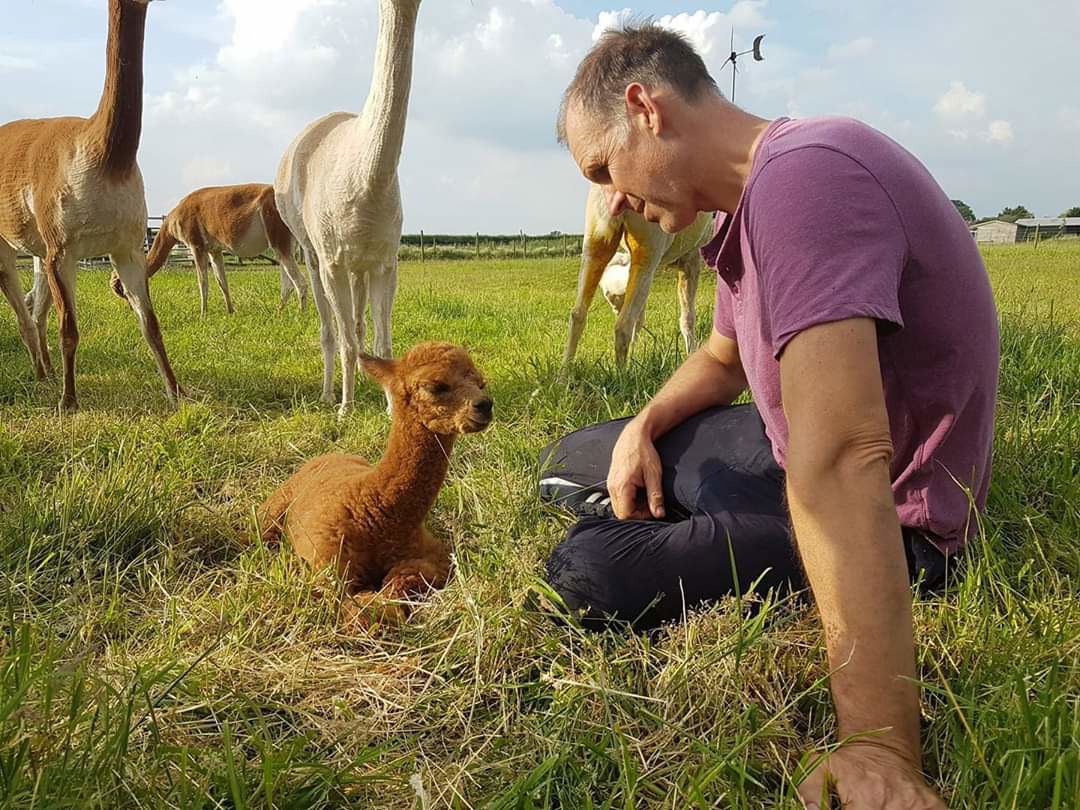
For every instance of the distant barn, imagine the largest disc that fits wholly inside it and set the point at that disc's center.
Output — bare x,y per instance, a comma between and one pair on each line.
1025,230
994,230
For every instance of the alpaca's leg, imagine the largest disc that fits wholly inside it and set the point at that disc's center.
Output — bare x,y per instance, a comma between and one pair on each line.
291,279
201,271
41,297
326,324
383,286
60,271
12,289
596,252
416,577
217,261
362,610
339,288
646,250
132,271
285,287
689,272
360,298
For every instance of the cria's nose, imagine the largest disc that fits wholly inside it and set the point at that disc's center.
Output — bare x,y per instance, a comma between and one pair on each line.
484,406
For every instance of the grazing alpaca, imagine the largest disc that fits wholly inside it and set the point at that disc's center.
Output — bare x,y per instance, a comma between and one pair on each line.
650,248
71,188
243,220
368,520
337,190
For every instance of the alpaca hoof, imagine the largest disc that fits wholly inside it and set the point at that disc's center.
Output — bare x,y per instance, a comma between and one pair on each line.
328,398
68,405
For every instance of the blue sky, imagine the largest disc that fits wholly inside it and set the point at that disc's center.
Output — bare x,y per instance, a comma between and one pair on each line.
983,92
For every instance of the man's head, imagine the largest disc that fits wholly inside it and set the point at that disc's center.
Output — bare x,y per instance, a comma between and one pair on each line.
620,119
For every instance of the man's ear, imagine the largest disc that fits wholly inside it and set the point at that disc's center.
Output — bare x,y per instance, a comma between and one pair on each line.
384,372
641,104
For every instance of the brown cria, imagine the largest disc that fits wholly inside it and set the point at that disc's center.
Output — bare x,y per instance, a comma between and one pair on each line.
70,188
242,220
368,520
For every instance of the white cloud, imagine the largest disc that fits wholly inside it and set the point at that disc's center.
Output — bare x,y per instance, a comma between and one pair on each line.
851,50
959,102
205,171
11,64
999,132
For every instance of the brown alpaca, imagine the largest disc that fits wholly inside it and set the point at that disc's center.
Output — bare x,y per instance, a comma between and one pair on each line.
70,188
368,520
242,220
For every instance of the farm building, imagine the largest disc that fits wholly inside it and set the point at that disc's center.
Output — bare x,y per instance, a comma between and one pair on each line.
1047,227
994,230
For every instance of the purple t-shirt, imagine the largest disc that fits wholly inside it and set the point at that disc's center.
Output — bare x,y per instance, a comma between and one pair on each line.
838,221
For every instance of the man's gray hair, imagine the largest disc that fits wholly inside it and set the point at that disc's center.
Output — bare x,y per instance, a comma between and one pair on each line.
640,52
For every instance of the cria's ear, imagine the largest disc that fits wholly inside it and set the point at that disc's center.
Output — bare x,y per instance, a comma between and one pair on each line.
382,371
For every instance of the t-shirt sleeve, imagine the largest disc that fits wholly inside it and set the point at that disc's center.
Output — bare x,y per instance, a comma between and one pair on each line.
723,312
827,241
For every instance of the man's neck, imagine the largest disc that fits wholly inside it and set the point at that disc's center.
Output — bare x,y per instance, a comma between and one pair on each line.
730,138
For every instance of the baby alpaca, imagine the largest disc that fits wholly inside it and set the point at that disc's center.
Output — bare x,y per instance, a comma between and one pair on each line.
368,520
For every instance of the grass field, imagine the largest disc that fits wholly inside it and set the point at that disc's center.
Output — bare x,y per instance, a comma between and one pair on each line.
154,655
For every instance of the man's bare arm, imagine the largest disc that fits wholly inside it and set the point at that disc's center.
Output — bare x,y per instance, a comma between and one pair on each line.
849,537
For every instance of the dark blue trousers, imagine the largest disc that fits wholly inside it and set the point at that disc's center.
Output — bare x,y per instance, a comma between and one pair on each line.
727,529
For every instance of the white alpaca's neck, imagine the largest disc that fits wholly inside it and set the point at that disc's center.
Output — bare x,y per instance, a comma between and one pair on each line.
380,128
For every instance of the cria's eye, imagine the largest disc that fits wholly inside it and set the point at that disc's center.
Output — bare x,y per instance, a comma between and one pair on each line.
482,385
438,389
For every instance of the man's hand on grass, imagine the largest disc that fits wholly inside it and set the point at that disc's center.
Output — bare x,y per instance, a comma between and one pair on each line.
867,776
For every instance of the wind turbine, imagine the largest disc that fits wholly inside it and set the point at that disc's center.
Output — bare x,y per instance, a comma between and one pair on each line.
734,57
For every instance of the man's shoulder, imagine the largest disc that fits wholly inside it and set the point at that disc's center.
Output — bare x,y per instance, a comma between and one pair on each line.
846,136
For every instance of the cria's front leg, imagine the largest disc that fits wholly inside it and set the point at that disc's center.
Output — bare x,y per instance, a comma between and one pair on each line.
363,611
416,577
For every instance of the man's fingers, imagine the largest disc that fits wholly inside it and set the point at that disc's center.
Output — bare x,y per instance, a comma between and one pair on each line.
654,490
814,791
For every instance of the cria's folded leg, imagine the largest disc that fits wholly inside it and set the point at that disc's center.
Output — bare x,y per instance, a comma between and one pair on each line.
364,609
416,577
271,515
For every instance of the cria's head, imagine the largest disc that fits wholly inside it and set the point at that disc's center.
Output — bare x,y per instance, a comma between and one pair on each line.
439,384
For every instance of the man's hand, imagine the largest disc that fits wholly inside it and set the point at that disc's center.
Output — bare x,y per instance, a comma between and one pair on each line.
635,474
867,776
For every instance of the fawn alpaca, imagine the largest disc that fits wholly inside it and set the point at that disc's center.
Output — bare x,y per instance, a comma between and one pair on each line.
368,520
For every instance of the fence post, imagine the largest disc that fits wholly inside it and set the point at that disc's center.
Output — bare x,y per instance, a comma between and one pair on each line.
421,247
478,244
1036,234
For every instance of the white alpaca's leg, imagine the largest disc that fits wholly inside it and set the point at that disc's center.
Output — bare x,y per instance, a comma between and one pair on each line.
12,290
383,286
326,324
132,271
336,280
217,261
202,272
689,272
360,299
596,252
637,295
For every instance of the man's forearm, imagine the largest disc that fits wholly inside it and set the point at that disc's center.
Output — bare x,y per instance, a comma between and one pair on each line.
851,546
702,381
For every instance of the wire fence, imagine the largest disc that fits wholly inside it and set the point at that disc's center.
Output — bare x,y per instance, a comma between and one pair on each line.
421,246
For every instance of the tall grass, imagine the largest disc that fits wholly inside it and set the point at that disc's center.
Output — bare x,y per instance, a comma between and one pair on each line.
154,654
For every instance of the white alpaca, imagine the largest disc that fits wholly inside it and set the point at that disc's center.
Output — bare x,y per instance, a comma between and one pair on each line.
71,188
337,190
649,248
